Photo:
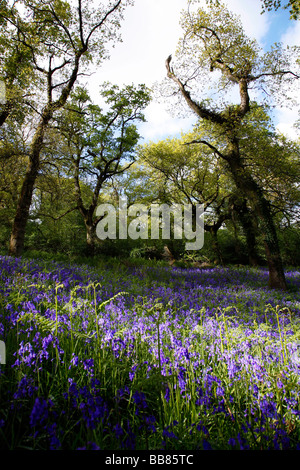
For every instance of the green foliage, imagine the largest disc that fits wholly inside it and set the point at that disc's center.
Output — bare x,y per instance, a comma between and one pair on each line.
216,39
289,239
96,145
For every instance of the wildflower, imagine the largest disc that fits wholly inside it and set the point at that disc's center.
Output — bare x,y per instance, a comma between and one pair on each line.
54,442
232,442
88,365
39,412
140,400
90,446
268,408
132,372
74,360
167,395
242,442
200,427
167,433
118,431
25,388
279,384
206,445
131,438
73,390
220,391
93,409
150,420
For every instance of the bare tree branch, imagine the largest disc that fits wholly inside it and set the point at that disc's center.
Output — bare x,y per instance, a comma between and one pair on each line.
212,147
199,109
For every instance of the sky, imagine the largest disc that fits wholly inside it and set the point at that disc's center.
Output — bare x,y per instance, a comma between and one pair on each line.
150,32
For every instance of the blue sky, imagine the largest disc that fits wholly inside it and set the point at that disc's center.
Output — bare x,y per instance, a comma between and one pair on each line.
151,31
279,23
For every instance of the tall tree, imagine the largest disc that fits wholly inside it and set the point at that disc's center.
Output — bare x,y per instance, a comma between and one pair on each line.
13,157
100,145
214,41
60,36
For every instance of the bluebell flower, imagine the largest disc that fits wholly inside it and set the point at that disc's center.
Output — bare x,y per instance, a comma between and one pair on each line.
232,442
88,364
118,431
40,412
206,445
150,420
167,433
140,399
74,360
167,395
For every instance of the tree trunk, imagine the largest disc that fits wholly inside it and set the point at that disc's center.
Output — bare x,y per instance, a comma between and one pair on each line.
91,238
4,115
17,237
92,241
215,244
261,206
213,230
16,245
238,249
246,219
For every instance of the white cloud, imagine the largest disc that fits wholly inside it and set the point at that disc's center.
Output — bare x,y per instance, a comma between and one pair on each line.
254,24
163,125
286,126
285,120
292,36
150,32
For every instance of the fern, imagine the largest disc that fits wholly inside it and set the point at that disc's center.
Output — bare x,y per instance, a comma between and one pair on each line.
46,325
112,298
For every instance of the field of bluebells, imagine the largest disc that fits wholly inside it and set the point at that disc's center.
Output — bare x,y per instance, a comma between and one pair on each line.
154,357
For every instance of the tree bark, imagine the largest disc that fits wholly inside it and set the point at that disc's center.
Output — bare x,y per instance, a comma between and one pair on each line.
87,214
92,241
91,238
261,206
4,114
215,244
17,238
246,219
213,230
